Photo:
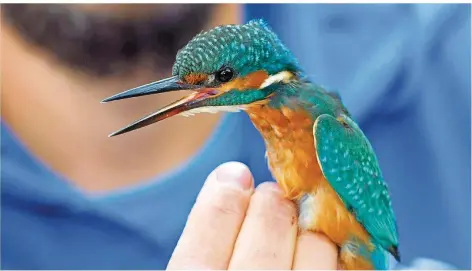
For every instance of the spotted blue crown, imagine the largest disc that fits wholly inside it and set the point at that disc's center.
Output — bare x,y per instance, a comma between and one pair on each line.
245,48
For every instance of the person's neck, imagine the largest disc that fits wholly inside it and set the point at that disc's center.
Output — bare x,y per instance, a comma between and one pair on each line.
64,124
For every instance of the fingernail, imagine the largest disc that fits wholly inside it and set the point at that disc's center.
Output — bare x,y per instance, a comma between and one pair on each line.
235,173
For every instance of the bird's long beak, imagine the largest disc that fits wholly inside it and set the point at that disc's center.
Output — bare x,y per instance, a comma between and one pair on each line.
193,100
165,85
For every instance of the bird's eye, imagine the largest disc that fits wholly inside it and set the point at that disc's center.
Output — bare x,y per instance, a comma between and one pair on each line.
224,75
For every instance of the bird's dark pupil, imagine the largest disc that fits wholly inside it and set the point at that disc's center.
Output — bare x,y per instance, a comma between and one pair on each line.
225,75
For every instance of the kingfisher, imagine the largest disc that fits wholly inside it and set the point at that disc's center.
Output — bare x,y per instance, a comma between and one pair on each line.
315,150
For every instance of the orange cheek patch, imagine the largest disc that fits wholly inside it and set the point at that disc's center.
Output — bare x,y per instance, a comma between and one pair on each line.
251,81
195,78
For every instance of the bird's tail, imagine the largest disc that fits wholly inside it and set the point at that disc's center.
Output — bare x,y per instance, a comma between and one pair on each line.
356,255
380,258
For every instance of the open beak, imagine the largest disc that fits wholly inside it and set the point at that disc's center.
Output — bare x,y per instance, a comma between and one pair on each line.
192,101
165,85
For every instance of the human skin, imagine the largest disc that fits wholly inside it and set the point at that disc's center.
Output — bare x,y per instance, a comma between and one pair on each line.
236,226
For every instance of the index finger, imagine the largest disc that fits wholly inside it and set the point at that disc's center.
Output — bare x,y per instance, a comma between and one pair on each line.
215,220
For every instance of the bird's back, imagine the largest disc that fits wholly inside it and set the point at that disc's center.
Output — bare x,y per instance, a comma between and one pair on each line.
304,95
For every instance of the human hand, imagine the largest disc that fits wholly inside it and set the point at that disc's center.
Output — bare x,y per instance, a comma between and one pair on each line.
234,226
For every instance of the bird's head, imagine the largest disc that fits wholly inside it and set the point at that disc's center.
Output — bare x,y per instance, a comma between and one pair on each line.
228,68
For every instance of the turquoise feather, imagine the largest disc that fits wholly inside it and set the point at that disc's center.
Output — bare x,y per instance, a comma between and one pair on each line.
349,164
247,48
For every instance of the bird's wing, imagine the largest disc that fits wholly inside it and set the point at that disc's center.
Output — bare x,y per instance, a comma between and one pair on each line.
350,165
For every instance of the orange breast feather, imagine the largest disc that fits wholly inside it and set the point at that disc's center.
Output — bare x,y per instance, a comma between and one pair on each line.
291,155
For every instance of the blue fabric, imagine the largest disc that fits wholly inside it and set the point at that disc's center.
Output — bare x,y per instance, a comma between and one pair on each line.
402,70
404,73
48,224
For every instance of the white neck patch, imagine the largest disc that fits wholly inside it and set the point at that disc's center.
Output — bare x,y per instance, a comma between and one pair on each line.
283,76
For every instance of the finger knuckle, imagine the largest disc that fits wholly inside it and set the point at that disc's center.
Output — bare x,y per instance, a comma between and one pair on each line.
228,202
227,207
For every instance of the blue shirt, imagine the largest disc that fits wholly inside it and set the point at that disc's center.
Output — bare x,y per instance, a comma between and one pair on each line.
403,71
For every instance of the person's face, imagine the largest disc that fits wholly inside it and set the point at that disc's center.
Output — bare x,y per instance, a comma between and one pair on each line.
60,61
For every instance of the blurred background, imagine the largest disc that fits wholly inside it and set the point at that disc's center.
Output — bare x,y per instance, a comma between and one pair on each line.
403,70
